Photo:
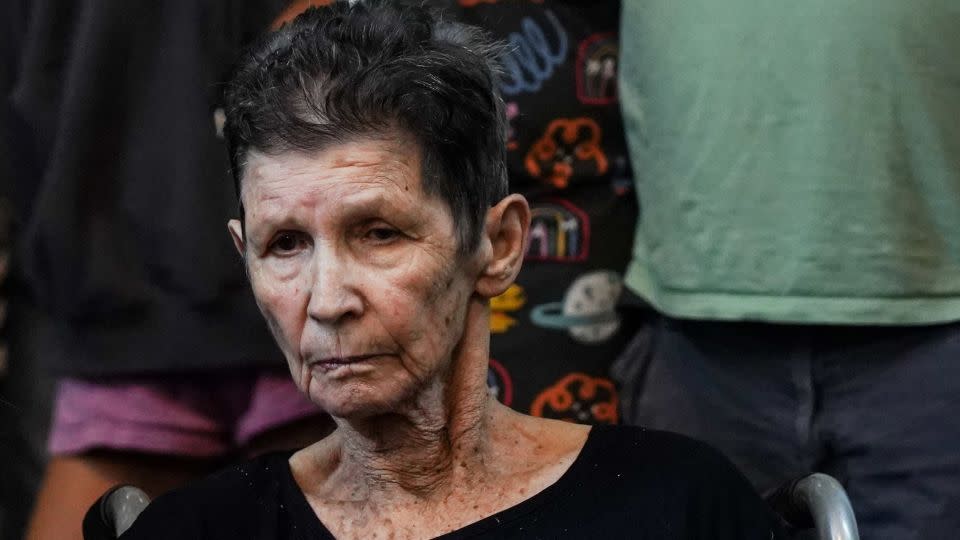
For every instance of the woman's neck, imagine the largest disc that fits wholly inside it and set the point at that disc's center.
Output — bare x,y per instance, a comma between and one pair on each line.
424,449
435,441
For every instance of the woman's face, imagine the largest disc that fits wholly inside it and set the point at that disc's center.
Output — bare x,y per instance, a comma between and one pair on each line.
356,271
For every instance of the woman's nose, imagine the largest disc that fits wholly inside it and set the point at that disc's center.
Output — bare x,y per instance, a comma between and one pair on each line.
333,292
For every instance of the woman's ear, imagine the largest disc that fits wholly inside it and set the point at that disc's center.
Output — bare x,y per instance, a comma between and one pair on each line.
236,232
505,234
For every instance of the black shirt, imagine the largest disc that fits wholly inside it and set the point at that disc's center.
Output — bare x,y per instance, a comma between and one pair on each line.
627,482
122,184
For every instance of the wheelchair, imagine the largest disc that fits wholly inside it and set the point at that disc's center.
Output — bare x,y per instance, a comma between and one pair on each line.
114,512
816,503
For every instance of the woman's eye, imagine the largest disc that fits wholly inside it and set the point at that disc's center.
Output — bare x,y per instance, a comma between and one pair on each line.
286,243
381,234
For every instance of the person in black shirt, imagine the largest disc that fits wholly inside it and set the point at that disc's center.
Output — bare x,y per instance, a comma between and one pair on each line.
626,482
367,142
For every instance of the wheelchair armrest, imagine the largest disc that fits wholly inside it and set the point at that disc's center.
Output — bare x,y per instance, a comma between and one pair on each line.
816,501
114,512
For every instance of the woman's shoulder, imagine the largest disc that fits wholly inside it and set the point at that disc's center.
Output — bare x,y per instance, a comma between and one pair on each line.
648,455
666,485
218,505
246,481
635,443
665,473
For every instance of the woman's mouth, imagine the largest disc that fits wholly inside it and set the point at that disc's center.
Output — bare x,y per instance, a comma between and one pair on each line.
331,363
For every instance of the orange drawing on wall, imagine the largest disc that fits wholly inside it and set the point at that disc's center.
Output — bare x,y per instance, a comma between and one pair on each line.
511,300
578,398
569,147
295,8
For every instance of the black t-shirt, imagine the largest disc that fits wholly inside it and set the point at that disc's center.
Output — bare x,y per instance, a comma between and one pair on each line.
121,184
627,482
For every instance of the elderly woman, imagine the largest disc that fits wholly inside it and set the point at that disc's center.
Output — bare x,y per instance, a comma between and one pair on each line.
375,225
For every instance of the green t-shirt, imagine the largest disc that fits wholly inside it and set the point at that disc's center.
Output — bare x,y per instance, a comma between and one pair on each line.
795,161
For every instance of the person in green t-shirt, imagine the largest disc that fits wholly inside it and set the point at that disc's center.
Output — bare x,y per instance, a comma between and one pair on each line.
798,172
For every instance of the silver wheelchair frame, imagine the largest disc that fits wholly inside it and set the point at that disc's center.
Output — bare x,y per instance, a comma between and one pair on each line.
816,501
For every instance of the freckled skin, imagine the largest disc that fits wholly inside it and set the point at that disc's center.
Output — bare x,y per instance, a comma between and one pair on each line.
385,326
343,292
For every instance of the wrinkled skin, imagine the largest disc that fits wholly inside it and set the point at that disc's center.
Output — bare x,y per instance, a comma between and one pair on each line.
385,325
356,271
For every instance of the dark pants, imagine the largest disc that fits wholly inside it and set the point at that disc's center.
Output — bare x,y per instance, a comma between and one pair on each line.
876,407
